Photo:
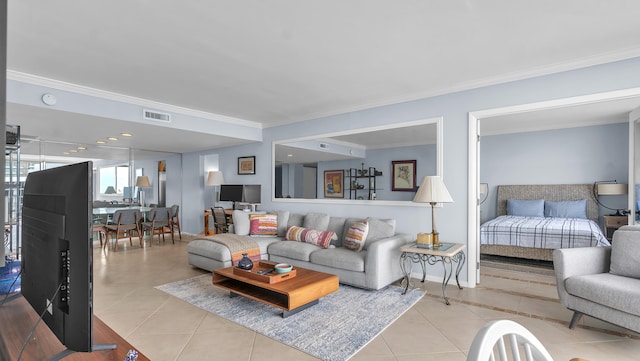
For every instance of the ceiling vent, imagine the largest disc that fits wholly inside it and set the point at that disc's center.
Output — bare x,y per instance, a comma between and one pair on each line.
155,116
324,145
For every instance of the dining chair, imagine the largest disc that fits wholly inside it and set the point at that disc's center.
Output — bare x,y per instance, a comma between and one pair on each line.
220,220
158,224
506,340
175,220
99,226
124,223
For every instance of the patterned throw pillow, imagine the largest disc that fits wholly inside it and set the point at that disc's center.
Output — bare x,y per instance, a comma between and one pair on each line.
263,224
312,236
356,236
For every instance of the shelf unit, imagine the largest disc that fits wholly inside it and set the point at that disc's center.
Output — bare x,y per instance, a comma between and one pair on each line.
362,183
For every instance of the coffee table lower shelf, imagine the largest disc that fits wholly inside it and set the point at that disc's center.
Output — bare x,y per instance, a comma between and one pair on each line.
292,296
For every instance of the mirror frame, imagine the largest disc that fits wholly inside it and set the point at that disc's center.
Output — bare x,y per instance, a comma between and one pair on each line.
438,121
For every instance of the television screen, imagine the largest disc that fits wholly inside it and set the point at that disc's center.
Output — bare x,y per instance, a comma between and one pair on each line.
252,193
57,263
231,193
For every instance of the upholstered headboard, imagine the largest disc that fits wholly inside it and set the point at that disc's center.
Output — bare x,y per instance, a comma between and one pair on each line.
549,192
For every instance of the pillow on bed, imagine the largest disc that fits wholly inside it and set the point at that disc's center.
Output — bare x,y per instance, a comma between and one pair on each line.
525,208
566,209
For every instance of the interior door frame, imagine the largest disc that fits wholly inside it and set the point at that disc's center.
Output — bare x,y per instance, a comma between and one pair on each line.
473,186
634,153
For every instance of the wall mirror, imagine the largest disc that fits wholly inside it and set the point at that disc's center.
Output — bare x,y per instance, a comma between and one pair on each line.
356,165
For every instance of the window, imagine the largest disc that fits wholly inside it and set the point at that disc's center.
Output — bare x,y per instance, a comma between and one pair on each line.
116,177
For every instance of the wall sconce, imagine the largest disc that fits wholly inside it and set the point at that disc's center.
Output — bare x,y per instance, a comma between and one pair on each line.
610,188
484,192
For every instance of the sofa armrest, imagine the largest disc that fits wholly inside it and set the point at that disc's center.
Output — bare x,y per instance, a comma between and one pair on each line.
569,262
382,264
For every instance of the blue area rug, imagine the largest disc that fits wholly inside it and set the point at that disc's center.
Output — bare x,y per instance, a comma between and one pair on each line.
333,330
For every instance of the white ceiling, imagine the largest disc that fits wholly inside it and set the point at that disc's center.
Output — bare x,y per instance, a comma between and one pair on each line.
276,62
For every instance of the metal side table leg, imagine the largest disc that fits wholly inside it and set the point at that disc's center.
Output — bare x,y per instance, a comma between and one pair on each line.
460,259
446,277
406,265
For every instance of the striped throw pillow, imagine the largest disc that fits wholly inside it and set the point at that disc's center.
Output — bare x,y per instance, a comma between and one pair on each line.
312,236
263,224
356,236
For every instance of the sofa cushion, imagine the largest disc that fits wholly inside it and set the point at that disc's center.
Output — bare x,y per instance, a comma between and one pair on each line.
340,258
618,292
210,249
283,219
336,224
356,236
313,236
379,229
625,253
263,224
295,219
241,223
319,221
292,249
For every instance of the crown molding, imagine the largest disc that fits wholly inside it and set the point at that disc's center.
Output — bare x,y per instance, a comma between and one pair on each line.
559,67
107,95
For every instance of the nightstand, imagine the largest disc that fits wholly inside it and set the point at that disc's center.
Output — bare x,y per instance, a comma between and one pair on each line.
611,223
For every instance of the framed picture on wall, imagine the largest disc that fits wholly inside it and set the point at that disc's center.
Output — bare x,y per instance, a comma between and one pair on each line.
334,183
403,175
247,165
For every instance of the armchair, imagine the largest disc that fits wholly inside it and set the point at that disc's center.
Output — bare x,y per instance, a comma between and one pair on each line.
602,282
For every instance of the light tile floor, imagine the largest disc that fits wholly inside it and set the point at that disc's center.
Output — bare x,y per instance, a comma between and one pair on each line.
165,328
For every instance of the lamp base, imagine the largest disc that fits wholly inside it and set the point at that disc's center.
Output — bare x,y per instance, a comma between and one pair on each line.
436,242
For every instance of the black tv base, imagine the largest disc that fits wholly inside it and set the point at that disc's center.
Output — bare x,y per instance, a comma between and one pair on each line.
20,315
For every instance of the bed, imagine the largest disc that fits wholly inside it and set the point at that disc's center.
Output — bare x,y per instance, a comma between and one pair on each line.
537,237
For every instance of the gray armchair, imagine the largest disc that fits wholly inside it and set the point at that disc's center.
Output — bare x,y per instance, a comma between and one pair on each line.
602,282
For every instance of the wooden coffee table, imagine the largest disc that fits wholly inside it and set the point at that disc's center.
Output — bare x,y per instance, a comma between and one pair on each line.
291,295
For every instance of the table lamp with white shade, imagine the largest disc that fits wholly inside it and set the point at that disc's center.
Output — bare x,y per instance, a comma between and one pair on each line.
142,182
215,178
433,191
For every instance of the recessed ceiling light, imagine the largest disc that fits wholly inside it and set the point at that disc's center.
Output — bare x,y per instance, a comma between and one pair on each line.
82,147
126,134
73,151
289,155
112,138
66,153
101,142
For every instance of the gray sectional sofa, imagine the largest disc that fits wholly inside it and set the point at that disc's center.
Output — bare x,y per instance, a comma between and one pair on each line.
374,267
602,282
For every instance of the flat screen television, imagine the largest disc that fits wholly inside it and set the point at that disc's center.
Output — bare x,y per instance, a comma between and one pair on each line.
251,193
57,263
231,192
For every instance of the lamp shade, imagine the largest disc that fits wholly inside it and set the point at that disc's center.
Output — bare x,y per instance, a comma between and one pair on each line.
215,178
432,190
143,181
110,190
611,189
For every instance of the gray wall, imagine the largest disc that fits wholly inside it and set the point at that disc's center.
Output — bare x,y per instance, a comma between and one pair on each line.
565,156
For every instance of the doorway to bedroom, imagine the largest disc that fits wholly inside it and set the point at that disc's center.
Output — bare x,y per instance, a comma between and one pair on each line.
578,140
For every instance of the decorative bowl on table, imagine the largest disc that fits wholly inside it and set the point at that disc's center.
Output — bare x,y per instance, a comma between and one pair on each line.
283,268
